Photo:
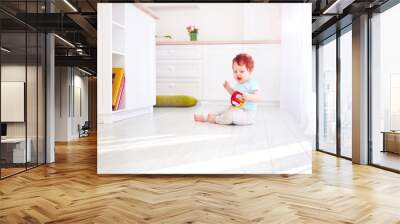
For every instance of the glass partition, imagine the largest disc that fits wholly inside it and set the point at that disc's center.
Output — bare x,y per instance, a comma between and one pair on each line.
41,107
13,109
346,93
22,78
327,96
385,89
31,100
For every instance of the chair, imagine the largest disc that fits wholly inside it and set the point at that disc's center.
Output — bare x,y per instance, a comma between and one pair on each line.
84,130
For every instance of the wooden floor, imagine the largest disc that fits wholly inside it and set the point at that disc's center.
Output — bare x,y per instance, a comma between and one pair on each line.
10,171
70,191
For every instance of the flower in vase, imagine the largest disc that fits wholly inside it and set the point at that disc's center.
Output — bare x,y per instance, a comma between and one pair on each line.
192,29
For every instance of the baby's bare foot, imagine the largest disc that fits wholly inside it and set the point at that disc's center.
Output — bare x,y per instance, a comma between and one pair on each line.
199,118
211,118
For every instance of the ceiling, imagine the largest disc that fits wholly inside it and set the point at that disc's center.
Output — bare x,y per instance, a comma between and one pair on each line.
76,25
75,21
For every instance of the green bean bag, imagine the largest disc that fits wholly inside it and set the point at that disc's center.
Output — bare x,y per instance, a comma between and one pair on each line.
175,101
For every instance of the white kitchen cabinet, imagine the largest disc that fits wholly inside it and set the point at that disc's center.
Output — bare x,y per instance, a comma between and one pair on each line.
126,38
179,70
184,52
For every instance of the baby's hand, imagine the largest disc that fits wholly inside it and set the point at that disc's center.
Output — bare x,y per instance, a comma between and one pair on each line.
226,84
246,96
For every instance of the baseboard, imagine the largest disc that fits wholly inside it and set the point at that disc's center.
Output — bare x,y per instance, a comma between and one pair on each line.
126,114
103,118
120,115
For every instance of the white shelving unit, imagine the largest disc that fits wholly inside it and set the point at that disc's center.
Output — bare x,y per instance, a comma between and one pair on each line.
118,43
126,38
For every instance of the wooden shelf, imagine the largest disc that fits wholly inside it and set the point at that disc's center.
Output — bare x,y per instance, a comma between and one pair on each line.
119,25
217,42
118,53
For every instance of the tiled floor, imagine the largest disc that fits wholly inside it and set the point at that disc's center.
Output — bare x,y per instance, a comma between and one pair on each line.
170,142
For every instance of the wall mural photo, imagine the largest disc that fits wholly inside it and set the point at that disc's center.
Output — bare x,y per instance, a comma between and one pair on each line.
185,90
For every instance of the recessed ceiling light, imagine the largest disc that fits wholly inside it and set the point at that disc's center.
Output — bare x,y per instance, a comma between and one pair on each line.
5,50
84,71
338,6
64,40
70,5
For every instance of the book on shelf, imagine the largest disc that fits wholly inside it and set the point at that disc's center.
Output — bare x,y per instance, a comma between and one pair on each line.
118,82
120,102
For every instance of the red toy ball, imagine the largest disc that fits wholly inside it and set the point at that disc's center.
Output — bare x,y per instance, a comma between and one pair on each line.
237,100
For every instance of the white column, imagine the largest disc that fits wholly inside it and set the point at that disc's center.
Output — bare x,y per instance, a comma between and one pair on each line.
50,99
360,90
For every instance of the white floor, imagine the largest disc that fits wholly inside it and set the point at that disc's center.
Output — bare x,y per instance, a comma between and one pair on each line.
170,142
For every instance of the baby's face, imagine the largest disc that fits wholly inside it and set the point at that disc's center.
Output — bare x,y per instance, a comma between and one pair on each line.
240,73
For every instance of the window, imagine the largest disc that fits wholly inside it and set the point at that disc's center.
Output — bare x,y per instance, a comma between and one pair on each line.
385,89
327,97
346,93
22,77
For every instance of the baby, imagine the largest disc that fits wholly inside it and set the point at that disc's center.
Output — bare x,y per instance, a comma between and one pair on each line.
242,66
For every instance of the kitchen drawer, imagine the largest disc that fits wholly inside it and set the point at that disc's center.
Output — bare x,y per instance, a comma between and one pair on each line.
191,88
179,69
179,52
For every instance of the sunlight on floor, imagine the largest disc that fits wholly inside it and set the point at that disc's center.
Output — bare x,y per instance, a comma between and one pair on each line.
250,158
154,141
114,140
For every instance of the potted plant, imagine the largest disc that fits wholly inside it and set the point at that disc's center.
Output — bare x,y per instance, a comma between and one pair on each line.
192,32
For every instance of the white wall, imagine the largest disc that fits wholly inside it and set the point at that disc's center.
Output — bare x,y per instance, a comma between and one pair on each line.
262,21
296,92
104,62
17,73
139,60
12,73
61,103
218,68
33,127
79,117
219,21
67,84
